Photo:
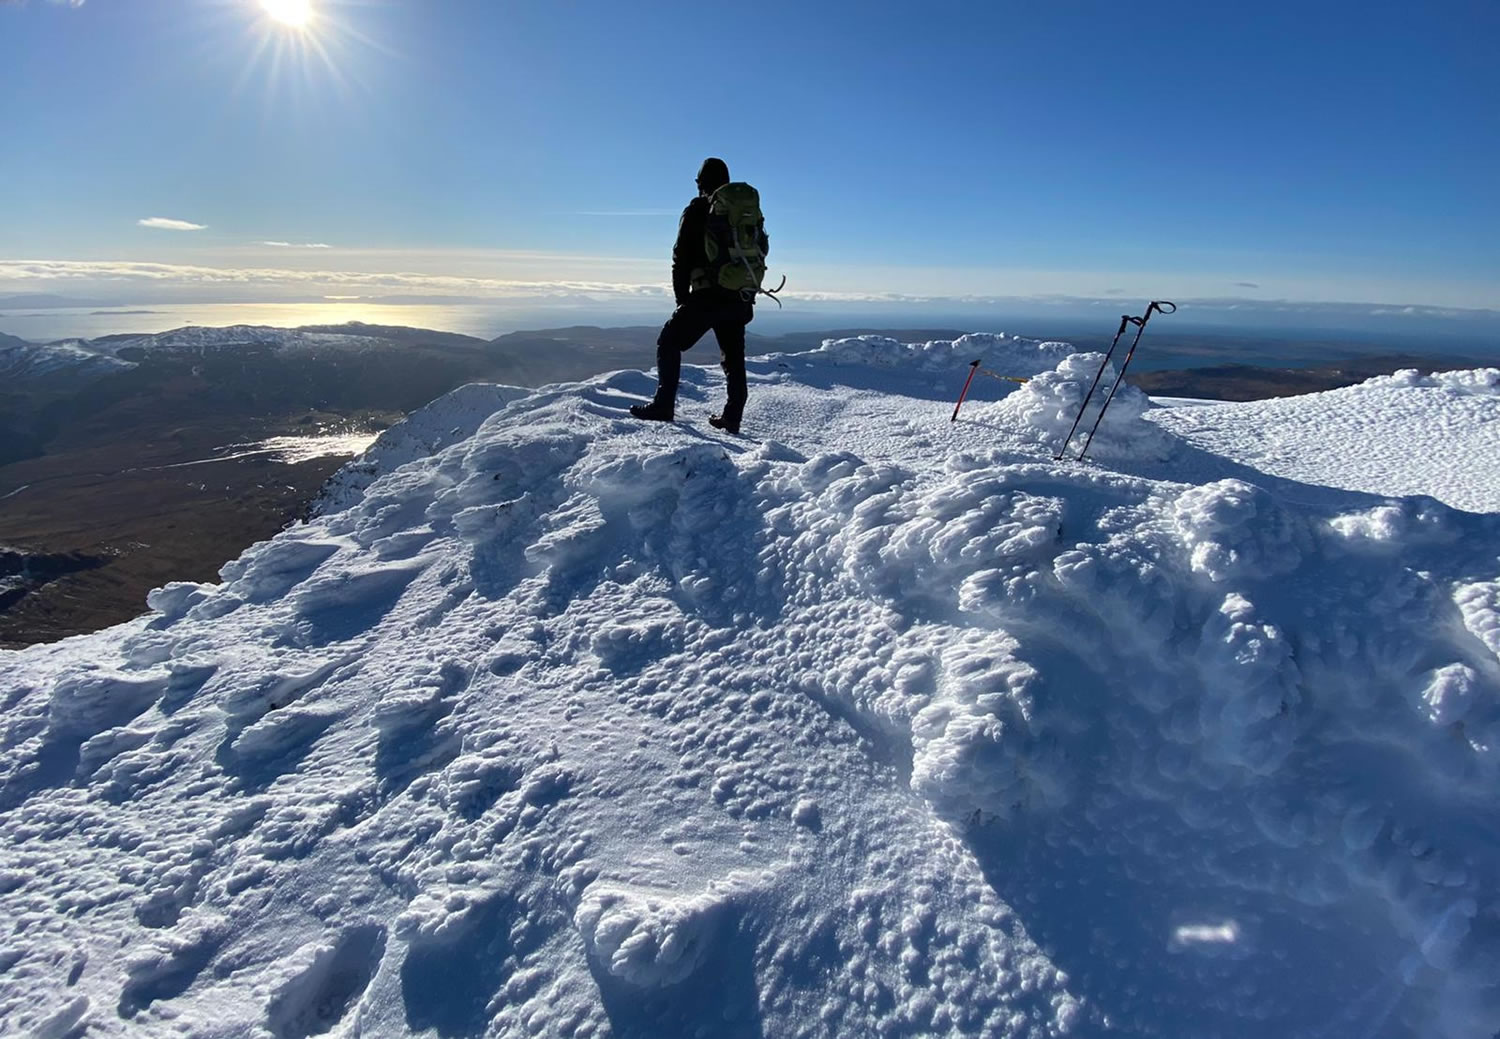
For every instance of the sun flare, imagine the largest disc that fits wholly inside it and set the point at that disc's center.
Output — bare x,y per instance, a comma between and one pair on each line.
296,13
299,45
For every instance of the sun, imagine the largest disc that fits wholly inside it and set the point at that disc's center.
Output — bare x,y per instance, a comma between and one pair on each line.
297,45
295,13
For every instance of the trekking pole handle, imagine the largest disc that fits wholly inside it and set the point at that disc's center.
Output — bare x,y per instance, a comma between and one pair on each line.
1156,306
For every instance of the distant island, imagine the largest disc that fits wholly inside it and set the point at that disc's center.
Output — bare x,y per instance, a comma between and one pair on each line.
48,301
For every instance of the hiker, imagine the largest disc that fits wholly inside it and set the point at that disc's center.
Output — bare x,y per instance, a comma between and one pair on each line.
704,303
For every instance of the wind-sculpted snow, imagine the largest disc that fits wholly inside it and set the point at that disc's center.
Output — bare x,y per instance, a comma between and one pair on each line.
1483,382
647,940
1005,354
1045,408
879,725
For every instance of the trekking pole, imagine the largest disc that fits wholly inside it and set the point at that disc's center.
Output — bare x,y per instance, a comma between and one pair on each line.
1125,320
973,367
1156,305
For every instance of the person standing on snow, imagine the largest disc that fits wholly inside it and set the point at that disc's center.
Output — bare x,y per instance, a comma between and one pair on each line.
703,304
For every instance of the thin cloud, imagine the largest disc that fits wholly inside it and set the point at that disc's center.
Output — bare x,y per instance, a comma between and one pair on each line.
162,223
627,212
1246,285
297,245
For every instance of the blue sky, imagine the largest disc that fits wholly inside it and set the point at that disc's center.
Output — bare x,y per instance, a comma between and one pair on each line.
497,148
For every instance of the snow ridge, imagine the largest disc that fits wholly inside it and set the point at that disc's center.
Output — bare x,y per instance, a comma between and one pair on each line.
197,340
452,417
21,361
579,726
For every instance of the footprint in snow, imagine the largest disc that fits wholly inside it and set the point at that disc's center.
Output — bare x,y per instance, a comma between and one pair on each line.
324,981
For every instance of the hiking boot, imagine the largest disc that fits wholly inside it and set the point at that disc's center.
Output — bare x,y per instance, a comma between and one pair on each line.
724,422
652,412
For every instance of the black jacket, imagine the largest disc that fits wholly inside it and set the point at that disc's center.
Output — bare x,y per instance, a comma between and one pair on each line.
687,251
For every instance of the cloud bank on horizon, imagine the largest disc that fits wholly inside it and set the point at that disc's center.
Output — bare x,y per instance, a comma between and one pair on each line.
629,286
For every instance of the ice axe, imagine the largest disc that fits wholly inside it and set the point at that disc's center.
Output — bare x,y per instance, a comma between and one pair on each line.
974,370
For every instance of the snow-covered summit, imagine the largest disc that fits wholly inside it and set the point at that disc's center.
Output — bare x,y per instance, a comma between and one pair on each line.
875,725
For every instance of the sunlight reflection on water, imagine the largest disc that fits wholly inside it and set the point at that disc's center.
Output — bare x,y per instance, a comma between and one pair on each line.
483,320
292,450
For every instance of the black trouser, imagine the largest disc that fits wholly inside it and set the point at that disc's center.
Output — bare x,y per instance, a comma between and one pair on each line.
727,314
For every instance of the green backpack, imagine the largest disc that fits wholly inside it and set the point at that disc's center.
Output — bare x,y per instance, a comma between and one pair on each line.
734,240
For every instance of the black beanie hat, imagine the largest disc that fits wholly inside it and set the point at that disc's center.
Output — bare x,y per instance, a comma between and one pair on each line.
714,173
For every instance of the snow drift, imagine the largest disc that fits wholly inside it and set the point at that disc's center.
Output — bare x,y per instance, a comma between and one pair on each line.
879,725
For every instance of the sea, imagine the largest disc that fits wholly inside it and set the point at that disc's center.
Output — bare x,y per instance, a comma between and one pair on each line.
51,324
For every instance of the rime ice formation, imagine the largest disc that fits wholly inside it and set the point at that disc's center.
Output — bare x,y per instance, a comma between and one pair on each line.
866,724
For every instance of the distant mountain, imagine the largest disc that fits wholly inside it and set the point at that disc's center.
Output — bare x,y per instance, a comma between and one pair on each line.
33,378
20,360
198,341
47,301
122,385
399,334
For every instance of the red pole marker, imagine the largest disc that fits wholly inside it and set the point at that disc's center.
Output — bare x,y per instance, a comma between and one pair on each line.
973,367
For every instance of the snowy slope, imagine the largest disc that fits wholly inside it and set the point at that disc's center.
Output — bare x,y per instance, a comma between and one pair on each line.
24,361
1401,434
869,724
451,418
